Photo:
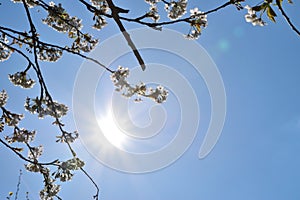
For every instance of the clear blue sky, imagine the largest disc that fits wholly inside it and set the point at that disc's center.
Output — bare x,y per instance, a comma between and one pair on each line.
256,156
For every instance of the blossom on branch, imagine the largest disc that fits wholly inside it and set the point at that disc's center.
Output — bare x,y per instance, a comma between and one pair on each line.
30,3
101,5
49,54
5,52
44,107
159,95
21,79
3,98
199,21
251,17
176,9
60,20
21,135
64,171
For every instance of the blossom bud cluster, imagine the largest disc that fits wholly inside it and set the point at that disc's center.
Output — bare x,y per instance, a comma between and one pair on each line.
5,52
251,17
3,98
199,21
176,9
159,95
30,3
21,79
60,20
50,54
64,171
21,135
45,106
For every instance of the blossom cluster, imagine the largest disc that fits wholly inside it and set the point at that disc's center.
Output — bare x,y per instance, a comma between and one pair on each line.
159,95
5,52
103,8
152,2
199,21
84,43
11,119
21,135
35,152
51,189
45,106
60,20
3,98
176,9
67,137
251,17
21,79
153,13
30,3
100,21
64,171
101,5
50,54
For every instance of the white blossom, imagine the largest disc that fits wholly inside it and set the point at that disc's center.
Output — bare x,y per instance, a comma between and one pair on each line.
100,22
30,3
84,43
5,52
101,5
50,54
67,137
199,21
159,95
64,171
21,79
3,98
35,152
21,135
152,2
45,107
251,17
33,167
176,9
61,21
49,191
153,13
193,35
13,119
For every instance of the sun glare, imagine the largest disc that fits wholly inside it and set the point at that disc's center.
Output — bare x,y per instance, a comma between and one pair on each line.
111,131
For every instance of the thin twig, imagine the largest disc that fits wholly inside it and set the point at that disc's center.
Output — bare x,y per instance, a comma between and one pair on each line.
96,196
49,45
26,159
287,18
18,185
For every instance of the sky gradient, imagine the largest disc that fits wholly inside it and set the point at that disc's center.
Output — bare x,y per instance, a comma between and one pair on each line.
256,156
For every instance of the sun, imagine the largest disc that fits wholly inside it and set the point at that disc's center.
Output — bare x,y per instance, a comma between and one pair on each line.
111,130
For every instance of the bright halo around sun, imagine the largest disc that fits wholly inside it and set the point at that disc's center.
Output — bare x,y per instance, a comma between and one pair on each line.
111,131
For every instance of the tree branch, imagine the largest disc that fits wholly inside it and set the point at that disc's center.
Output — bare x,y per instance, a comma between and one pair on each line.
115,14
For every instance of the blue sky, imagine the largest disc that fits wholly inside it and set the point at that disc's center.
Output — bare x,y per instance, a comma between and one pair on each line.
256,156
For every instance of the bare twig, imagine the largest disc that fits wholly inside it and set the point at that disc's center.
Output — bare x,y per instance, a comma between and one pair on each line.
18,185
115,14
24,158
287,18
96,196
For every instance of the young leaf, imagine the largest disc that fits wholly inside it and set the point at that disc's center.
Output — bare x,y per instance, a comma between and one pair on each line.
271,14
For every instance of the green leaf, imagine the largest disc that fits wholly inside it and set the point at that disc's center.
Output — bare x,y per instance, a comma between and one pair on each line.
258,8
271,14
